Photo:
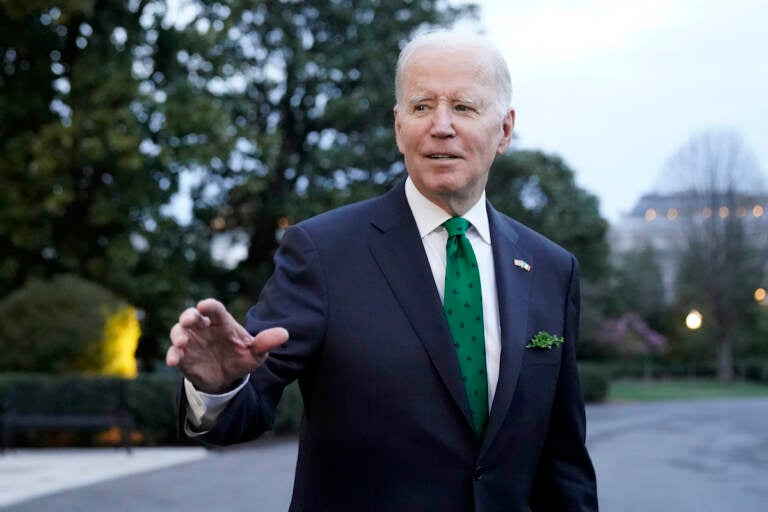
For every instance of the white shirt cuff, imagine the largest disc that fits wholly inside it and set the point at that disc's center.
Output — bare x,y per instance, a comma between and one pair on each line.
203,409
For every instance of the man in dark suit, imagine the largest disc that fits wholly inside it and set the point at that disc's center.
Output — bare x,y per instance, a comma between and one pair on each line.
410,330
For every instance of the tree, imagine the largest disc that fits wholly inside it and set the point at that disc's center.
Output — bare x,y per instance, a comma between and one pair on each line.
723,255
540,191
98,123
308,87
638,285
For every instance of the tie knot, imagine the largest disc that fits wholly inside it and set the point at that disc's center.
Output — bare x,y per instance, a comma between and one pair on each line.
456,226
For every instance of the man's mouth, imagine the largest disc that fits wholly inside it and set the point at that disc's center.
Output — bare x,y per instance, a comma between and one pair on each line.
441,156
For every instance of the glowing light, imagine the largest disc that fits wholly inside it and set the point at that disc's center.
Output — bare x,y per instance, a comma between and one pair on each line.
758,211
694,320
672,213
121,337
723,212
650,214
760,294
706,212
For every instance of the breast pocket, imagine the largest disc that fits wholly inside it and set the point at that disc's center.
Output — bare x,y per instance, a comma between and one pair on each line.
542,356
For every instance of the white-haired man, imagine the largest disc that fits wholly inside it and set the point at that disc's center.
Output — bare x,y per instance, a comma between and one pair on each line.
433,337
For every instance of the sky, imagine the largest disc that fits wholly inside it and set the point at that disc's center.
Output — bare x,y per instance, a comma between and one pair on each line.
615,87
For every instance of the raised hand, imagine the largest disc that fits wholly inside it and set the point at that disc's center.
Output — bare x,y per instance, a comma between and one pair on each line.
213,351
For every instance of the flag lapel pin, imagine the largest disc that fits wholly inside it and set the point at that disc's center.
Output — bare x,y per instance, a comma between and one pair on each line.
523,265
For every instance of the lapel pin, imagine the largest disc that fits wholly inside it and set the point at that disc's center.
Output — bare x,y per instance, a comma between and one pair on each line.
523,265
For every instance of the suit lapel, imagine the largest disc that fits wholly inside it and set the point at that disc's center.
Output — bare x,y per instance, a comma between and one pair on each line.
398,250
513,286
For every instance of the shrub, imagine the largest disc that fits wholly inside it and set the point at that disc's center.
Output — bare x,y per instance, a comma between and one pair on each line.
150,398
67,325
754,370
594,382
289,411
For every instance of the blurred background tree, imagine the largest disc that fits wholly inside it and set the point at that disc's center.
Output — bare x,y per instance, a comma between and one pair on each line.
723,252
162,154
90,152
273,112
540,191
308,90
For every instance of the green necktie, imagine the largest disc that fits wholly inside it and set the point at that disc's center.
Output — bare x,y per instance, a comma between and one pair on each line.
463,306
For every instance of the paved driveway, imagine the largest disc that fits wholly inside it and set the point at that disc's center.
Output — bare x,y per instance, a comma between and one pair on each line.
703,456
689,456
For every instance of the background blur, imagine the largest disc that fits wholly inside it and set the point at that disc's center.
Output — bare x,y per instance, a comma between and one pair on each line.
153,153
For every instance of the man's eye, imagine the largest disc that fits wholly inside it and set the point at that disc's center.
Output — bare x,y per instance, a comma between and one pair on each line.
462,108
420,108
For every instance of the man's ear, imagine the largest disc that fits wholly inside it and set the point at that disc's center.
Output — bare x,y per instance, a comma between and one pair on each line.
507,127
398,128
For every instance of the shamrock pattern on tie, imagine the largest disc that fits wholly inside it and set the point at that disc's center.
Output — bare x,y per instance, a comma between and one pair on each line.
463,306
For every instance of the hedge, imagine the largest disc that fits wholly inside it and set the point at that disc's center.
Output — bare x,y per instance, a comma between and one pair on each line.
753,370
595,381
151,399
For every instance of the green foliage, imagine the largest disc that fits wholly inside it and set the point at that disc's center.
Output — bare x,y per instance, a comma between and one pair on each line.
718,271
540,191
723,256
545,340
594,382
98,123
151,400
755,332
308,88
753,369
661,390
289,411
271,110
638,286
55,326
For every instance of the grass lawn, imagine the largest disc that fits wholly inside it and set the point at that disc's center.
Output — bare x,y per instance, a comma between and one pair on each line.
655,390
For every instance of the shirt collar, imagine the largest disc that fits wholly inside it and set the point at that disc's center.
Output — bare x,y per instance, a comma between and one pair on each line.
429,216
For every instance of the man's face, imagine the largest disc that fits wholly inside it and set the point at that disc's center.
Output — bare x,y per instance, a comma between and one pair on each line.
448,126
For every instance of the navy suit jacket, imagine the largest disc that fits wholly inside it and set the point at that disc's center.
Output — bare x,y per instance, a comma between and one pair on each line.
386,425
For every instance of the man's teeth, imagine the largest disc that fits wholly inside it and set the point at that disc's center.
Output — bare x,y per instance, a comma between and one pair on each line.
439,156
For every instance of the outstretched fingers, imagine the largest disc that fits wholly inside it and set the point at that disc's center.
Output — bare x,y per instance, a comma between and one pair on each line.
214,311
173,356
191,318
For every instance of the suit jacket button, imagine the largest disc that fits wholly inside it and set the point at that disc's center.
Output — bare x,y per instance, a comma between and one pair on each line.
478,473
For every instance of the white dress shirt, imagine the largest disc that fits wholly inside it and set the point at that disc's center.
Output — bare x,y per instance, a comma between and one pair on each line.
203,409
429,219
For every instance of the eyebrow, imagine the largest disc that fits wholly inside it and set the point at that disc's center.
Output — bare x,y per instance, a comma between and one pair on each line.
418,98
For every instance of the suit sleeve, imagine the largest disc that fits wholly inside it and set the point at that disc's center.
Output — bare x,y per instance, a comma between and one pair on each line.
565,478
295,298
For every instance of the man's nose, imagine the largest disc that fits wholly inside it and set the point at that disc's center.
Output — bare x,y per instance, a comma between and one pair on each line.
442,122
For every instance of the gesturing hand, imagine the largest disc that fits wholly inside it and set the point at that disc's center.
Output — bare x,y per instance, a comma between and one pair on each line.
212,350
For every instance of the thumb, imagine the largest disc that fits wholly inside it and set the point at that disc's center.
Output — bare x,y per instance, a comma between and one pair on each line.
269,339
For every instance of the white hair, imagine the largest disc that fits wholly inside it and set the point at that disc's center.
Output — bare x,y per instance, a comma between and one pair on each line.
459,40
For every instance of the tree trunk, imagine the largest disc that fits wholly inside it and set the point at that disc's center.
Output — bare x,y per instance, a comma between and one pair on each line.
725,359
